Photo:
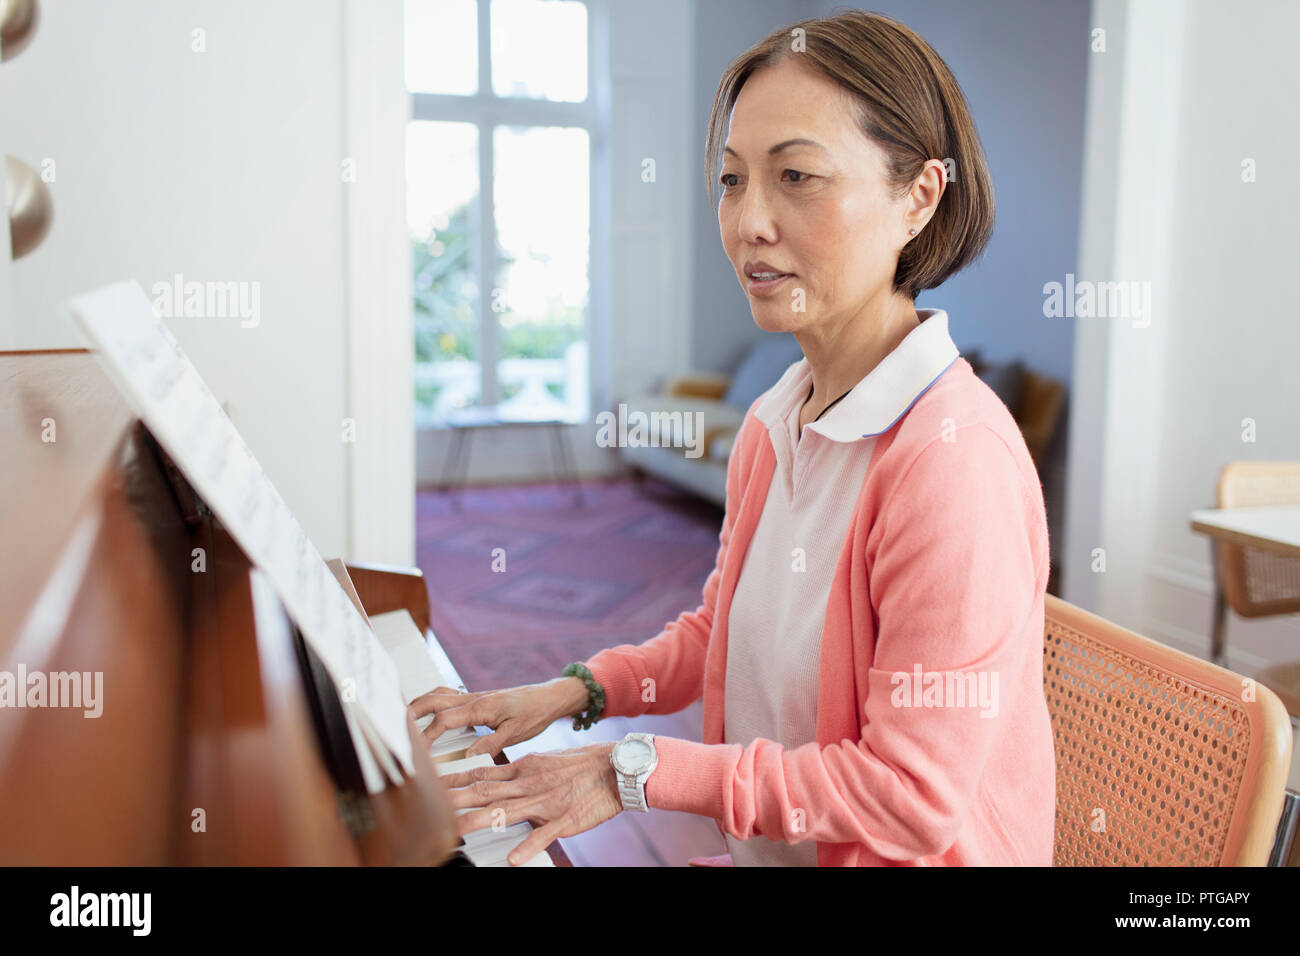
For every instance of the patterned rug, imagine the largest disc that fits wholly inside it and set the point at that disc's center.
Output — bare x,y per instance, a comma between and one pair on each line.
523,580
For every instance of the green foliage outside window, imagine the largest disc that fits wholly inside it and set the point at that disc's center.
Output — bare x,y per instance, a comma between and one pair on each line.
446,325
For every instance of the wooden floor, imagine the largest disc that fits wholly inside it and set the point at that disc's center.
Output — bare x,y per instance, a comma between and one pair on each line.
657,838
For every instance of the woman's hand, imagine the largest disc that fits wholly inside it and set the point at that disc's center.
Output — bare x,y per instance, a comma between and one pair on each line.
514,714
562,793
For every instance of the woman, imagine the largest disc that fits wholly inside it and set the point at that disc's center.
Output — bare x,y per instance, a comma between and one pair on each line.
869,646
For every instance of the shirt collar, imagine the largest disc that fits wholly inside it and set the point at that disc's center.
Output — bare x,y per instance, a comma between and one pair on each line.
883,396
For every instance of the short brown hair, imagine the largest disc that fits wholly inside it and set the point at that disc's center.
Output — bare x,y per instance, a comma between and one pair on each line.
910,105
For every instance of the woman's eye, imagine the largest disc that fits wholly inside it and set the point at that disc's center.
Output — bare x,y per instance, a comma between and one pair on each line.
802,180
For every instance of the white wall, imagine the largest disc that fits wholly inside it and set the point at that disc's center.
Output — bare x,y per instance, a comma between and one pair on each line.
379,339
222,166
652,82
7,319
1183,95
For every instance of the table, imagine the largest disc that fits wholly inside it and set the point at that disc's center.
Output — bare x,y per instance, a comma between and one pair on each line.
1273,528
464,422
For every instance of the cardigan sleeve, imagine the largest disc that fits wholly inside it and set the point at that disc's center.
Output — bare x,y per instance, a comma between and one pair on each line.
666,673
954,580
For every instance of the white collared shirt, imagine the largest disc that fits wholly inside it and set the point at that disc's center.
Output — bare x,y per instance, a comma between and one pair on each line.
779,607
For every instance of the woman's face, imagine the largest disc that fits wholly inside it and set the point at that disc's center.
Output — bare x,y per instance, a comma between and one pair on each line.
820,213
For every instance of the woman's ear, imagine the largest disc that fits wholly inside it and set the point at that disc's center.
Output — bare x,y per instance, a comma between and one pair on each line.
925,194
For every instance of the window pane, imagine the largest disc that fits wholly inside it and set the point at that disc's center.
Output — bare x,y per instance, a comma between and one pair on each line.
442,195
442,46
539,49
540,295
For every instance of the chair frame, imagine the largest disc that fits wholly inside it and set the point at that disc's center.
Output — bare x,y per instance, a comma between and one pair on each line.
1257,825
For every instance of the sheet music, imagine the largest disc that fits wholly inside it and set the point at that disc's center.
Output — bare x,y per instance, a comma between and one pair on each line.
269,621
401,639
166,391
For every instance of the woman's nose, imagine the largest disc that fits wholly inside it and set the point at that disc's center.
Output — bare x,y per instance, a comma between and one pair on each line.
756,221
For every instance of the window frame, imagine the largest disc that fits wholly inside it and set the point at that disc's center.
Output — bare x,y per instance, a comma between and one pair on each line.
486,111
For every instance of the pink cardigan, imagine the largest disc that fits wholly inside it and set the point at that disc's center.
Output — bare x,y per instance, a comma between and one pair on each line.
944,568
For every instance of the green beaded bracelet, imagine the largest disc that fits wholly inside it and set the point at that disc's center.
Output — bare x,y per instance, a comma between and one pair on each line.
595,697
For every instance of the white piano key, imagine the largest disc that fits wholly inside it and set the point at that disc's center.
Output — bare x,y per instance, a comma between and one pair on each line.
491,854
511,834
453,741
464,764
419,674
491,857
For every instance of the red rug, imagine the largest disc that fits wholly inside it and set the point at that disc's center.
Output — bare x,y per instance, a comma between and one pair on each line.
576,578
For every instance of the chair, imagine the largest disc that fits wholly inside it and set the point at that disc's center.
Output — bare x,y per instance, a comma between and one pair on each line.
1253,582
1035,400
1038,413
1162,759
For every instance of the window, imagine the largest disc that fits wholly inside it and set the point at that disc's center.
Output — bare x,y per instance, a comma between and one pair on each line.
498,180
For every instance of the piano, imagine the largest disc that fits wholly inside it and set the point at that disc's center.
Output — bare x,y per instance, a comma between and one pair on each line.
217,740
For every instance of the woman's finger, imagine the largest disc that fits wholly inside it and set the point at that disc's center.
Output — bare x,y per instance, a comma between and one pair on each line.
493,743
500,813
440,698
427,703
466,715
487,793
537,842
466,777
438,726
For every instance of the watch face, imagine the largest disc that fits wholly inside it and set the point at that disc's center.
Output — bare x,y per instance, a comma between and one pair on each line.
633,755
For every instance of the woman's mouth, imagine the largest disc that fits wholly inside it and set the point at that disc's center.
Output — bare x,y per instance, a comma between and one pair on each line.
763,282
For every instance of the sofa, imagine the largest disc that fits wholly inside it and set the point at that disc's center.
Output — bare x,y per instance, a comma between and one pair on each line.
1035,401
721,401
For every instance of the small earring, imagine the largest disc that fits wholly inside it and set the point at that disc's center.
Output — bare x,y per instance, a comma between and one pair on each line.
911,232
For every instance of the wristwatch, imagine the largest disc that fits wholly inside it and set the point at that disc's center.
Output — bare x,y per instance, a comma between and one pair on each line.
633,758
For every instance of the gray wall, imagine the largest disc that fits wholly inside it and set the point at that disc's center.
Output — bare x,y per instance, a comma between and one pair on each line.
1022,65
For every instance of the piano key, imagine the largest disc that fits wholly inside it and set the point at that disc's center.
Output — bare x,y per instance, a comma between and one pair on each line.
419,673
512,834
452,745
491,854
492,857
464,764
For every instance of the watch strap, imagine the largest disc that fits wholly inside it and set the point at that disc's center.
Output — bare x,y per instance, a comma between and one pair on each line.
632,792
631,787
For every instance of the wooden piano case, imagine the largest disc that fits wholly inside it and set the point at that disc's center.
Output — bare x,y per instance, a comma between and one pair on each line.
208,749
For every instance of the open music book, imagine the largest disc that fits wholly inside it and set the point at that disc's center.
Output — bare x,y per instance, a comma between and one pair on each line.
145,362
